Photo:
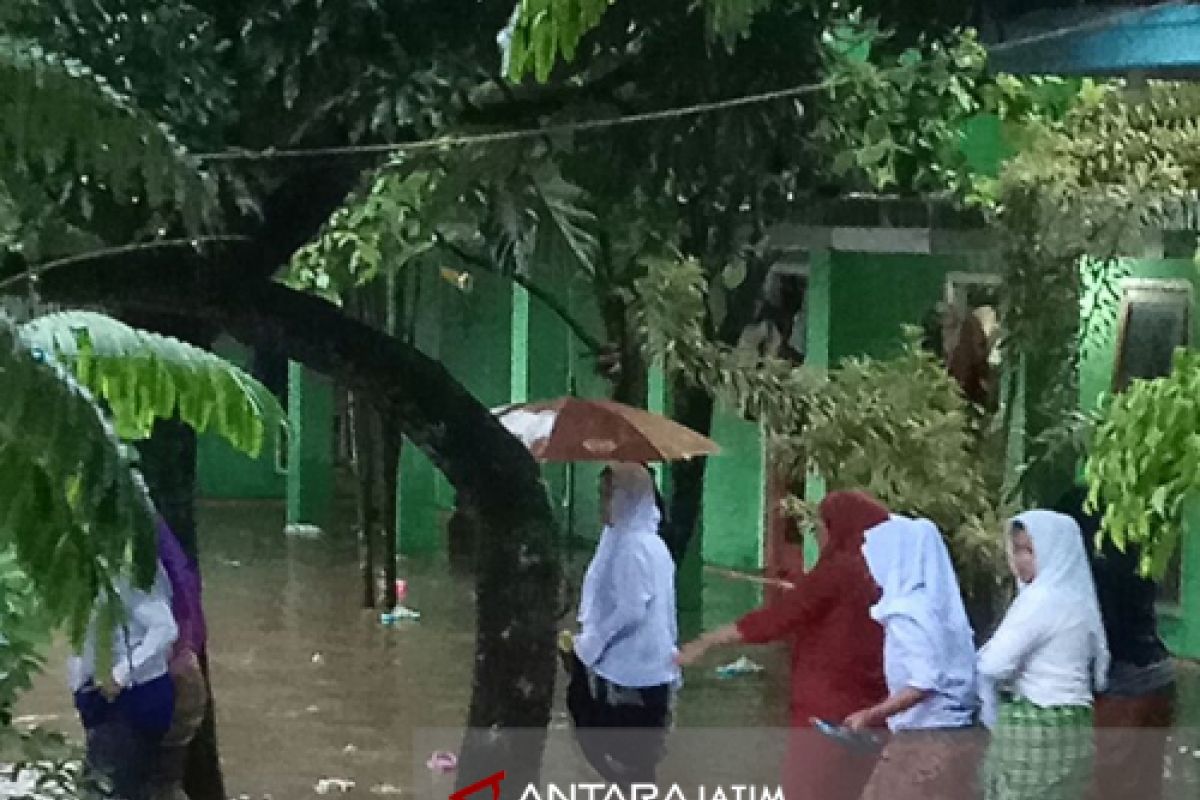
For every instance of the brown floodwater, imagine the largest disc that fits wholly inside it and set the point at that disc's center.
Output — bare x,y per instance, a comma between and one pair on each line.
311,687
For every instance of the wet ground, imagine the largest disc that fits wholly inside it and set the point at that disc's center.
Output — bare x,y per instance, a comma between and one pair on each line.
310,686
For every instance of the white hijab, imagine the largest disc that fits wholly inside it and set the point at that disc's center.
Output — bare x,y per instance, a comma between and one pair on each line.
910,562
634,513
1063,579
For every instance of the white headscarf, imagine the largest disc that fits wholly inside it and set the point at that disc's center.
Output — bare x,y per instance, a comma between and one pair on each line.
910,562
1063,579
634,502
634,512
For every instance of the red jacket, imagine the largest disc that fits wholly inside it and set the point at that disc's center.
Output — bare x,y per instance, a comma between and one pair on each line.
837,649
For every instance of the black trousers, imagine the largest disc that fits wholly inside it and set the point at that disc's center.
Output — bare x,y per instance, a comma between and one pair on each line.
621,731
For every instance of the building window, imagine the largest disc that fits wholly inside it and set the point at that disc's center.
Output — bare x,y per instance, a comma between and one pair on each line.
1155,321
780,319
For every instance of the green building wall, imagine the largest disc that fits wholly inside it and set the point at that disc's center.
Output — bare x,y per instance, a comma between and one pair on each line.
734,495
507,346
223,473
504,346
872,296
1180,623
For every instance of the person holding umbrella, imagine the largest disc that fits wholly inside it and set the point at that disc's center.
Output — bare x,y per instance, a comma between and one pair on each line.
622,665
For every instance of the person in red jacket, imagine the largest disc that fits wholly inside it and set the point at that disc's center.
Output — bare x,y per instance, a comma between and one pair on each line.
837,650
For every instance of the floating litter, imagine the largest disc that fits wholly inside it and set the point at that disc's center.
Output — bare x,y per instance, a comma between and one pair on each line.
333,786
743,666
442,762
399,614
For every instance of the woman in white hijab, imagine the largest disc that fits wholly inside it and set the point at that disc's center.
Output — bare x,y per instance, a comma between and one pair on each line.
623,672
1045,661
929,664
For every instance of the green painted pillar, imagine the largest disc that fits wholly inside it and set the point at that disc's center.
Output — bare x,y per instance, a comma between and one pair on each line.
518,376
818,330
818,335
310,451
735,490
417,515
689,578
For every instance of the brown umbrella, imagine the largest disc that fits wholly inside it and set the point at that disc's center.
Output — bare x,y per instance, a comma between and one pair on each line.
573,429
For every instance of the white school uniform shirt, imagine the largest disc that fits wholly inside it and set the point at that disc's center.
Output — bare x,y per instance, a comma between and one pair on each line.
928,643
628,629
1050,649
141,642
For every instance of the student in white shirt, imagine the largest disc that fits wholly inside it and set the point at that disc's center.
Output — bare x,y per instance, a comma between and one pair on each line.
1042,666
623,670
928,661
126,712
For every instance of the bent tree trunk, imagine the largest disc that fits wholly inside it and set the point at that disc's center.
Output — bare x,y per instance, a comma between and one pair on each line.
514,669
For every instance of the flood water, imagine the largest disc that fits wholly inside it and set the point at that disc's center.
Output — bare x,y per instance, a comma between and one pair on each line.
311,687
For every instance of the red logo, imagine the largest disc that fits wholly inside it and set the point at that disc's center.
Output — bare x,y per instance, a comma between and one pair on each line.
492,781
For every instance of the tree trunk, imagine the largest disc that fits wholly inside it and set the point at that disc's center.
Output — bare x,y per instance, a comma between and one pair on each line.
363,435
515,661
693,407
621,362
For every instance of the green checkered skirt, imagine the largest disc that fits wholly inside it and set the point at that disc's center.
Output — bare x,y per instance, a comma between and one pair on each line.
1039,753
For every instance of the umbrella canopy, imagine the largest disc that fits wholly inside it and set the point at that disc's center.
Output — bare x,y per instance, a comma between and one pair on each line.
573,429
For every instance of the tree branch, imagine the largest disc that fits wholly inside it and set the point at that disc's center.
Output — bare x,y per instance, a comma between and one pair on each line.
36,271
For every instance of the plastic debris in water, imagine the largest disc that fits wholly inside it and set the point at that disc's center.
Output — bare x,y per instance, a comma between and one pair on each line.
401,590
399,614
317,658
386,789
743,666
442,762
332,785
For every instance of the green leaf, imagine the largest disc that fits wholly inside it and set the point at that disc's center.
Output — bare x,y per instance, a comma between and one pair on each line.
72,509
144,377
